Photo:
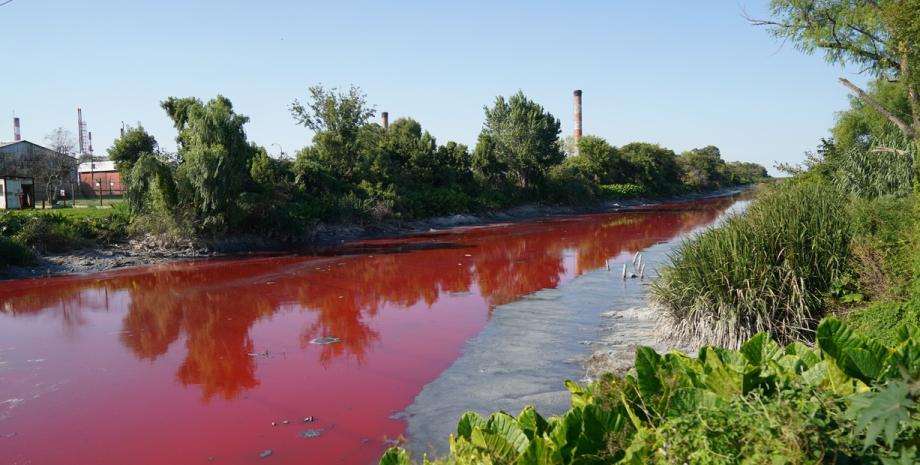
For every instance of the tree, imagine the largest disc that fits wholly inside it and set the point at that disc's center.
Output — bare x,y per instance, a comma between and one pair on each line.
651,166
702,168
337,119
598,161
128,148
857,127
519,142
61,141
215,158
880,36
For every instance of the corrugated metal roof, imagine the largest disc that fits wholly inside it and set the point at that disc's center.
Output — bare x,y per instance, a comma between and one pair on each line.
105,165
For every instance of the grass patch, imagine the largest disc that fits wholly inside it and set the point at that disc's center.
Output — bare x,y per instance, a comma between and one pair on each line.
765,271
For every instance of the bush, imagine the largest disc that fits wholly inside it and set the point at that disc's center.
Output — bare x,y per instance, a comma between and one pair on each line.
622,191
433,202
14,253
766,270
848,400
884,169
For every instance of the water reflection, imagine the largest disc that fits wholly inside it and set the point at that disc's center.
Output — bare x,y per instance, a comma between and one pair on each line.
211,307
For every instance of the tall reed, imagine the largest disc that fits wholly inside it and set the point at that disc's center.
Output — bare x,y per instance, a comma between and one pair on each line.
765,270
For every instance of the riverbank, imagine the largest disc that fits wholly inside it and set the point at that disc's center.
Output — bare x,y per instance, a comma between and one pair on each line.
144,251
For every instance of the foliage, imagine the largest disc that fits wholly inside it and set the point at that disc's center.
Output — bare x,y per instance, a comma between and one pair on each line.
598,161
130,147
885,167
622,191
860,125
518,144
702,168
215,159
14,253
881,37
53,232
848,400
337,119
150,185
765,270
652,166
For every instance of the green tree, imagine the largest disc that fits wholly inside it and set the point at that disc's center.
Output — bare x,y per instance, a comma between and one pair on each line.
215,159
519,142
651,166
702,168
129,148
880,36
598,161
151,187
857,127
337,119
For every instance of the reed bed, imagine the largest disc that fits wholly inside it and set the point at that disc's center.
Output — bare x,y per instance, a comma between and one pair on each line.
766,270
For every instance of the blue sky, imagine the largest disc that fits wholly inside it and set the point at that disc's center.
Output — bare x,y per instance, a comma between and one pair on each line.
680,73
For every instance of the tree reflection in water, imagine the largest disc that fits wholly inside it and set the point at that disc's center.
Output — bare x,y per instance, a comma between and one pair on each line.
213,305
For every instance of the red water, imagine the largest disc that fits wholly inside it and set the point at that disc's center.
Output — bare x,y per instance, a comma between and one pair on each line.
168,364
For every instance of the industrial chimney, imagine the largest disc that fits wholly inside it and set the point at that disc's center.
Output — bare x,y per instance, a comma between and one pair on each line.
385,119
17,134
577,133
80,130
90,136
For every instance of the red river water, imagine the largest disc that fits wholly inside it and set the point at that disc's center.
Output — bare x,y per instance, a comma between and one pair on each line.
215,362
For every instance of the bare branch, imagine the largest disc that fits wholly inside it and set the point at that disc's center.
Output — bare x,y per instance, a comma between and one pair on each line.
900,123
4,2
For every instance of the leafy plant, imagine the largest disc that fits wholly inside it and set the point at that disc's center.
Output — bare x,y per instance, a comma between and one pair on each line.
847,400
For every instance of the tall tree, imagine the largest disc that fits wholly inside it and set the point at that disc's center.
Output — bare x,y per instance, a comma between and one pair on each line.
128,148
880,36
702,168
519,142
336,118
215,158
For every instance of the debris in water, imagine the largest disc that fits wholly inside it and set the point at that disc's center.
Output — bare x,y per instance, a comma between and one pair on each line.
311,433
210,458
274,424
286,422
260,354
308,419
365,440
624,271
325,340
265,454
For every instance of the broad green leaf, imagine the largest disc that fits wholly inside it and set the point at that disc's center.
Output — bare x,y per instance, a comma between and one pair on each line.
395,456
506,426
688,400
469,421
720,379
647,370
759,349
493,443
868,362
531,422
539,452
833,337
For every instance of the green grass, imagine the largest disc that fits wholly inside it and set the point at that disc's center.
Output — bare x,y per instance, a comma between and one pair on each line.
764,271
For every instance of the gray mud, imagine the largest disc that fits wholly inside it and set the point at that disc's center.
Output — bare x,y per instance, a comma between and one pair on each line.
585,327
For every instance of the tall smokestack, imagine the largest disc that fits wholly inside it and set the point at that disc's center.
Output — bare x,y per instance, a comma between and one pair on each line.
385,119
80,129
577,133
90,139
17,134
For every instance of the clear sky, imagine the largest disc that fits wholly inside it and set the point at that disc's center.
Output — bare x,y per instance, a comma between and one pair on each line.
679,73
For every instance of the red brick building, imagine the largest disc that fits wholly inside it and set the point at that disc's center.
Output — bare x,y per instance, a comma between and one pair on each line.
100,178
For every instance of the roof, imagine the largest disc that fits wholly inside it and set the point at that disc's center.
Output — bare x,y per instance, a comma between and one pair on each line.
96,166
23,141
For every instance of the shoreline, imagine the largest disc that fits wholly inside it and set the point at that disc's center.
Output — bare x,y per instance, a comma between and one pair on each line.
137,253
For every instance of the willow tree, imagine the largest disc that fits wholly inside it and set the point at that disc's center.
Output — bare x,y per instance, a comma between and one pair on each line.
882,37
214,156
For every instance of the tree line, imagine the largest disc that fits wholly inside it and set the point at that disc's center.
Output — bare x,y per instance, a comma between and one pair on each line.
356,170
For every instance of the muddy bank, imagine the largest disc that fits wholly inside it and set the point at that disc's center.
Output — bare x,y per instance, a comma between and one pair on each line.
576,331
140,252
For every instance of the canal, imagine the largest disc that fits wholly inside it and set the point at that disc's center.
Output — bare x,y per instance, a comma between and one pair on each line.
322,357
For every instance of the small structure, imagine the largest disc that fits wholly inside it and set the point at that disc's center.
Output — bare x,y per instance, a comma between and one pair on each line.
16,193
54,173
100,178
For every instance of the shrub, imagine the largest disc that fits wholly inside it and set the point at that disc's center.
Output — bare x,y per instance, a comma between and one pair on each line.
622,191
48,232
766,270
432,202
848,400
14,253
886,168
